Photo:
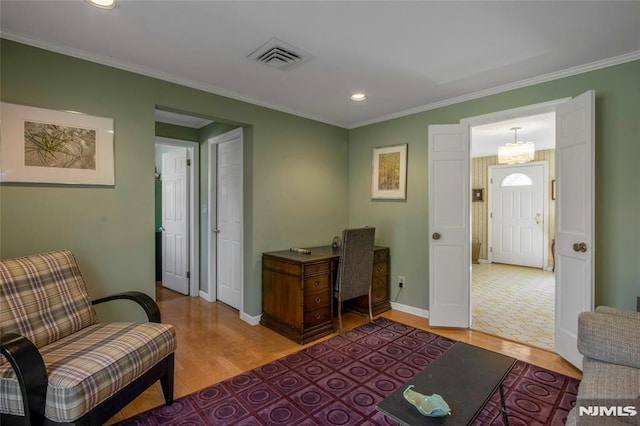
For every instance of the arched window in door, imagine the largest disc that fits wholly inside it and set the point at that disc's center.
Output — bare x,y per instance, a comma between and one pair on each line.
516,179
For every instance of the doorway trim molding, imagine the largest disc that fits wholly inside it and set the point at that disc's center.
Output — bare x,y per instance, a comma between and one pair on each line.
193,149
512,113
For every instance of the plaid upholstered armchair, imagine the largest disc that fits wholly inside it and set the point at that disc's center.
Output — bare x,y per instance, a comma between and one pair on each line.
59,365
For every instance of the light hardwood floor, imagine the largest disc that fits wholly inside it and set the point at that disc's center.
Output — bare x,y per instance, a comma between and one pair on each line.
215,344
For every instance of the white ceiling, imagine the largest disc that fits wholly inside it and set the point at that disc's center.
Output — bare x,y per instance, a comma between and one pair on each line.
407,56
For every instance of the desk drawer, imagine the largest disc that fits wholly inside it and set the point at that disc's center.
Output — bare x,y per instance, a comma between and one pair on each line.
316,300
380,256
281,266
313,284
380,269
379,281
379,295
317,268
317,316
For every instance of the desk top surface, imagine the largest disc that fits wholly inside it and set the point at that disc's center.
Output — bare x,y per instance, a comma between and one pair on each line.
317,254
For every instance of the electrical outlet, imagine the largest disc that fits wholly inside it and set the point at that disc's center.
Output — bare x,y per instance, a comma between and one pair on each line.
401,280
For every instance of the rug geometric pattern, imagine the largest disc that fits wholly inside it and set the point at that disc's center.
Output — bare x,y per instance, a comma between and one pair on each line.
515,303
341,380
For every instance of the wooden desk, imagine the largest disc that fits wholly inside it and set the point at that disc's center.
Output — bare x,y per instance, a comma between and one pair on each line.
297,291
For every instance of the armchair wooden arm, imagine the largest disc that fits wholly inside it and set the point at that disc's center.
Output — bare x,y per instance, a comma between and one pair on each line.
147,303
31,373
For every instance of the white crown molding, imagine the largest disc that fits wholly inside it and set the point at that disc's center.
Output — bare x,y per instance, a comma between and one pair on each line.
80,54
616,60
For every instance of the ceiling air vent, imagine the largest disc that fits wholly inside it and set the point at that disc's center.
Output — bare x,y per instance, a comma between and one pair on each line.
278,54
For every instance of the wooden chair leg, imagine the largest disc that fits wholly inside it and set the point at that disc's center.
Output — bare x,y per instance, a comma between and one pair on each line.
340,312
167,381
370,307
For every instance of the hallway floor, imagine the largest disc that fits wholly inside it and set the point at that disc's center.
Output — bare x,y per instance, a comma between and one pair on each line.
514,302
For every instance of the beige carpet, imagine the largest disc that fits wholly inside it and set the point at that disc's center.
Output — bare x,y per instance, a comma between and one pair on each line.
514,302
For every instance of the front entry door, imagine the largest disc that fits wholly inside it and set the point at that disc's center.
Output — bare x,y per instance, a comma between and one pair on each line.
574,220
517,214
449,226
175,220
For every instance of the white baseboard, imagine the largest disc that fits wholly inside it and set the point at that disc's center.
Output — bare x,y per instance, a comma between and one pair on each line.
483,261
206,296
249,319
410,309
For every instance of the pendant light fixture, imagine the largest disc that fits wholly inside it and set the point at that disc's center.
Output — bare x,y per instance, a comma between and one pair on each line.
516,152
102,4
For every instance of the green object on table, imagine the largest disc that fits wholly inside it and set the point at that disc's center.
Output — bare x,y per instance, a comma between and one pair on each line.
428,405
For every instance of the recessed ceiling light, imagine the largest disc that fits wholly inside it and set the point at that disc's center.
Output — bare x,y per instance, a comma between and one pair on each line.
102,4
358,97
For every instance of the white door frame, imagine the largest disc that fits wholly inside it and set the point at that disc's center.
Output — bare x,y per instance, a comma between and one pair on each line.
520,112
193,153
211,294
545,209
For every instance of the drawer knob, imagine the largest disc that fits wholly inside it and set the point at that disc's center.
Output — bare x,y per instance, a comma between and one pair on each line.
317,300
317,316
317,268
317,283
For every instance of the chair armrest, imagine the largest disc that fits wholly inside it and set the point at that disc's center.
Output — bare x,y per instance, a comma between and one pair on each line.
146,302
609,337
31,373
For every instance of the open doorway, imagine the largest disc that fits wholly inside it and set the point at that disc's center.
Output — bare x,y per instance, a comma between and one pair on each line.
513,284
177,221
450,194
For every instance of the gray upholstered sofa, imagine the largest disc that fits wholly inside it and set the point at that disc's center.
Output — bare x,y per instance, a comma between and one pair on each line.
59,365
609,393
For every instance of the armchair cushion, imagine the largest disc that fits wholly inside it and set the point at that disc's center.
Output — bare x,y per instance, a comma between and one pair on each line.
43,297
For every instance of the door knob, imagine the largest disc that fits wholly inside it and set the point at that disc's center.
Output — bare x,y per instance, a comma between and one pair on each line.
162,229
436,236
579,247
216,230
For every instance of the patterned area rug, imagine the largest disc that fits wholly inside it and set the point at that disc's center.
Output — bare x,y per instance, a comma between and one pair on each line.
340,381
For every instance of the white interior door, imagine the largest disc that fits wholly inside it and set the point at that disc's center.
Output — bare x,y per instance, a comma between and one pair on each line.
449,226
175,220
229,216
517,214
574,220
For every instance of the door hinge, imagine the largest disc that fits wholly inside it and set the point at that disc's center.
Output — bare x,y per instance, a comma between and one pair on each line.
188,161
490,249
491,180
491,215
189,275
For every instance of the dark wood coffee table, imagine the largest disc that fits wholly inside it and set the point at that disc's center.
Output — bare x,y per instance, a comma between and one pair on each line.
465,376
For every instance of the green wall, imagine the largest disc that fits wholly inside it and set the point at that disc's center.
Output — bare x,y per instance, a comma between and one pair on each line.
289,161
304,181
403,225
